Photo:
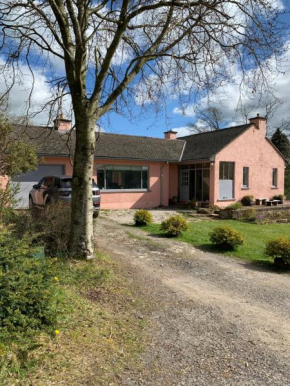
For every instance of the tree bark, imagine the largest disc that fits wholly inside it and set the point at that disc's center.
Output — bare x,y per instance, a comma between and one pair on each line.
81,232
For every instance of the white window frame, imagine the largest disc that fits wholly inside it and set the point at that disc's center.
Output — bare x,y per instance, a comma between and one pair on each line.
248,177
274,177
142,167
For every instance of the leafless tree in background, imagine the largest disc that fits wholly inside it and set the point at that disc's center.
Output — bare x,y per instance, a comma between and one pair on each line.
266,106
208,119
108,53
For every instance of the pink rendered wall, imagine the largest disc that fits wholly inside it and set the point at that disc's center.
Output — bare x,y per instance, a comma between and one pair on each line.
148,199
253,150
173,180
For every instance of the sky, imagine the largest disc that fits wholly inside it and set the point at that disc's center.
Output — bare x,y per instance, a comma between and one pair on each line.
171,114
177,117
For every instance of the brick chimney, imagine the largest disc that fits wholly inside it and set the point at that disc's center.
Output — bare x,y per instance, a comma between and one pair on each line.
170,134
62,124
260,123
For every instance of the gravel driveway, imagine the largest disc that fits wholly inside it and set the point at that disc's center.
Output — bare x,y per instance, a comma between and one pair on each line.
215,320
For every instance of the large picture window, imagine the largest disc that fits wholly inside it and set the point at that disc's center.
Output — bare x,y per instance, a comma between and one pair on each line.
122,177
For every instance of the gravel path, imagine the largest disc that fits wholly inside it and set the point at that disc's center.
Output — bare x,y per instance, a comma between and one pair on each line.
125,217
215,320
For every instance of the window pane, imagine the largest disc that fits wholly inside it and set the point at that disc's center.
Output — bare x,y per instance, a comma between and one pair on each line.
101,178
205,184
221,170
245,176
131,179
274,177
227,170
66,183
145,179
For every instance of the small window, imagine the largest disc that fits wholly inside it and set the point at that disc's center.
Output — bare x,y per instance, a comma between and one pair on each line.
274,177
245,177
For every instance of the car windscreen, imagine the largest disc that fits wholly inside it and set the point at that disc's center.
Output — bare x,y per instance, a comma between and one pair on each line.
65,183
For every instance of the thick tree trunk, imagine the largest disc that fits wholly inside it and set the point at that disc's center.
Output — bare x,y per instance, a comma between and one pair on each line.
81,232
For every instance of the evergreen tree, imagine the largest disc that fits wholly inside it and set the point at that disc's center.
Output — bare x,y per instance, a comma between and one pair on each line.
280,140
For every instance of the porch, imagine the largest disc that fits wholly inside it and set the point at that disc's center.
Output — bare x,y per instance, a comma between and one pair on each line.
195,182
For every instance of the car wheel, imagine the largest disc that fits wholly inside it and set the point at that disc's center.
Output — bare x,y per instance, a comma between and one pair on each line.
96,215
31,204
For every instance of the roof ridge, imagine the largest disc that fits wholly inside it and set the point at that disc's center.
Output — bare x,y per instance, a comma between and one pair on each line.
136,136
219,130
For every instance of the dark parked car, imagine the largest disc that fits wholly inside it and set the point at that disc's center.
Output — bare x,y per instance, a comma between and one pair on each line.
52,188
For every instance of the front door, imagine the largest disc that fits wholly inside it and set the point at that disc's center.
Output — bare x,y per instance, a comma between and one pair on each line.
184,185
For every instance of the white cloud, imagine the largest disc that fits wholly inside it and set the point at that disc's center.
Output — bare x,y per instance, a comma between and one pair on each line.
230,96
186,111
30,93
183,131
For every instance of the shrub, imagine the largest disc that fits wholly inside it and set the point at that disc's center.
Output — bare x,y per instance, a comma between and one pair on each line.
214,208
247,215
279,248
28,294
142,217
49,227
279,197
174,225
247,200
226,237
234,206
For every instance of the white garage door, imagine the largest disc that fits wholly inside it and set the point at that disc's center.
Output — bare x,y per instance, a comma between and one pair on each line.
26,181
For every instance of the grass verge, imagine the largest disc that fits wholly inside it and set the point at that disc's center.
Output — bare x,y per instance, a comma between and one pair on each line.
99,333
255,237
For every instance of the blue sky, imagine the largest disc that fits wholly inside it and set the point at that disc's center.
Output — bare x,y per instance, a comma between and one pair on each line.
169,116
151,124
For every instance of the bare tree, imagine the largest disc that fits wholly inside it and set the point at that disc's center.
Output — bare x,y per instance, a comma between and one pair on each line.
113,50
208,119
267,106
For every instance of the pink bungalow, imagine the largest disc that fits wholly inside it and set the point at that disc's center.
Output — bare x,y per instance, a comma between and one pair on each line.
218,167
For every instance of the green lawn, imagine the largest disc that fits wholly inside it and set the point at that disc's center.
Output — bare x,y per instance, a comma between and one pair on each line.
255,237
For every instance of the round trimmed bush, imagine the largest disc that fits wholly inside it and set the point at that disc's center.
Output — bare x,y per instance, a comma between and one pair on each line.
142,217
279,249
247,200
174,225
226,237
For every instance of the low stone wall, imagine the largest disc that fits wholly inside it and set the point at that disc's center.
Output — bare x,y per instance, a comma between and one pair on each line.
263,215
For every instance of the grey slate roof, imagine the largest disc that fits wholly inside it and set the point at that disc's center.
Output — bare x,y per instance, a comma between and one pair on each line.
205,145
115,146
112,146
